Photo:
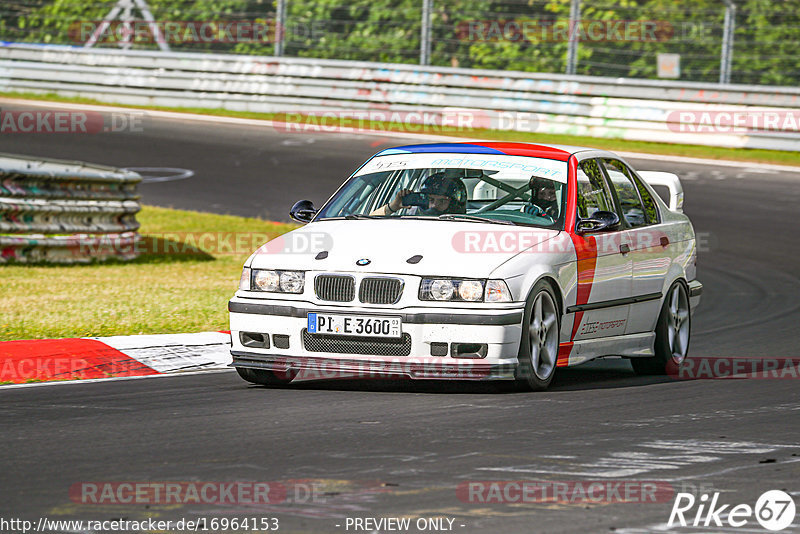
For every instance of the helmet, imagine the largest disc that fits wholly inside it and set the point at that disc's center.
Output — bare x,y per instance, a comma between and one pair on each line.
549,207
537,183
441,184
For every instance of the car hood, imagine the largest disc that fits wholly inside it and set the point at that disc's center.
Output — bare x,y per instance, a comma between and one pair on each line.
447,248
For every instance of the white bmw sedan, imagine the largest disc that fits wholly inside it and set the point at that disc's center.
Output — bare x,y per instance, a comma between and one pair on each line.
482,261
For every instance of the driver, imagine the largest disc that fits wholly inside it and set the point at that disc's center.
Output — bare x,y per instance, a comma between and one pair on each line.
543,198
444,194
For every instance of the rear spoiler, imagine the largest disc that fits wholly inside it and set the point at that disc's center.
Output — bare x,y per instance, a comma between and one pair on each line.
671,182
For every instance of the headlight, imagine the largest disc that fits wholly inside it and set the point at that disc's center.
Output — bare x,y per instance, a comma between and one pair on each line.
292,281
244,281
451,289
471,290
454,289
278,281
497,291
442,289
265,280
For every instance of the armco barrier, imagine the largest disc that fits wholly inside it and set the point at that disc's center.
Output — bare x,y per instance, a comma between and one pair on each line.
66,212
648,110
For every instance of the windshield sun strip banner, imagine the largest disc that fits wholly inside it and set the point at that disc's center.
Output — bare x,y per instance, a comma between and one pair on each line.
520,165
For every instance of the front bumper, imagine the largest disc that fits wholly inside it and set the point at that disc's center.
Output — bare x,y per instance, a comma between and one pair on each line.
299,354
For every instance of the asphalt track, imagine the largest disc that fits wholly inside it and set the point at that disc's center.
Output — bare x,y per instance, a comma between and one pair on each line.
392,449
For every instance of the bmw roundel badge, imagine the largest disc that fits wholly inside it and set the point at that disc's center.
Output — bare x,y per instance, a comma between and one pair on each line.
363,261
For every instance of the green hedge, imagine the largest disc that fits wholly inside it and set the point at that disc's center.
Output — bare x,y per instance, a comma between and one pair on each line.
767,33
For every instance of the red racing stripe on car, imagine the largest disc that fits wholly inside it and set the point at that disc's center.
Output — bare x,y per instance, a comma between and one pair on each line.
564,350
527,149
572,194
586,251
42,360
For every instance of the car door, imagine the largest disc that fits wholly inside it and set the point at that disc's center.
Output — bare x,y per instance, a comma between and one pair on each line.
650,252
604,265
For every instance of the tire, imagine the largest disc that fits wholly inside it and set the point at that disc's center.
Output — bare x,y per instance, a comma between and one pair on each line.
673,331
264,377
538,348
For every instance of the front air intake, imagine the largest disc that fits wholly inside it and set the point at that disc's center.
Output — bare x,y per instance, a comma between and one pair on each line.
357,345
380,290
335,287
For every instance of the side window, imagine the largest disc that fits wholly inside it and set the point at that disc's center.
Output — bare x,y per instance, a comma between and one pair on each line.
593,193
628,194
650,209
357,195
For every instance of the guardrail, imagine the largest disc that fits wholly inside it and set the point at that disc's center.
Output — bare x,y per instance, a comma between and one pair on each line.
648,110
66,212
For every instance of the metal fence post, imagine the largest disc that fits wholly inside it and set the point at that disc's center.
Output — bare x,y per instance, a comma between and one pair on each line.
726,57
124,10
280,27
425,33
572,51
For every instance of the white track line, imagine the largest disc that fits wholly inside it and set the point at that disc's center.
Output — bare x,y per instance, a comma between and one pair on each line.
111,379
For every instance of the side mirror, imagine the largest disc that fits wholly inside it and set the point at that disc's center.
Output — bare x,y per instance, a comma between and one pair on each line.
600,221
303,211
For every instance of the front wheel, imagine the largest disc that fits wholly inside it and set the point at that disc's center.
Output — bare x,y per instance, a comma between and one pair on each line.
264,377
538,348
673,330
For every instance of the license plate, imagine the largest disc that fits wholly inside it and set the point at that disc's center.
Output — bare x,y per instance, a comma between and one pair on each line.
354,325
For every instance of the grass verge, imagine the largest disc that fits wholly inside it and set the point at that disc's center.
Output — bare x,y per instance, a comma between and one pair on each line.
181,284
697,151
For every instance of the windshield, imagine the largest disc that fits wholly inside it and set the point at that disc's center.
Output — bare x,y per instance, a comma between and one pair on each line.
489,188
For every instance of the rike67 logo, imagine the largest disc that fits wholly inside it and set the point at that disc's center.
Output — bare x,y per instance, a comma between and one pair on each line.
774,510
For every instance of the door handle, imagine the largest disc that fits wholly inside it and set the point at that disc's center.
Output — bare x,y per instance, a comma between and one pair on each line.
624,248
664,241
